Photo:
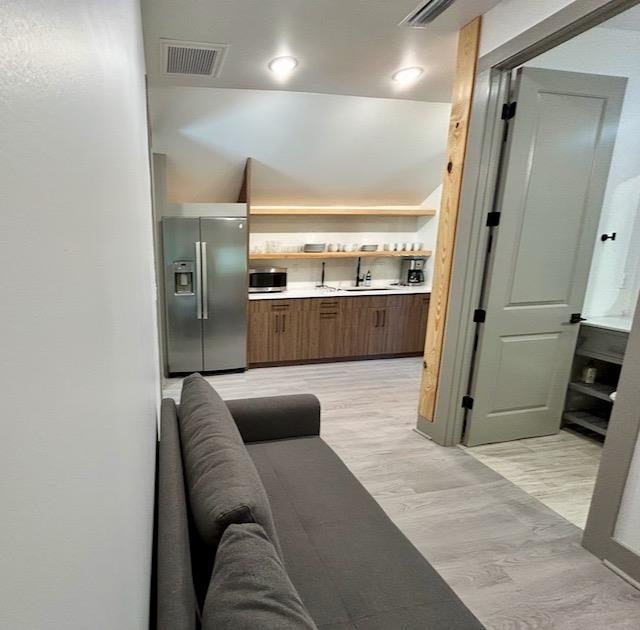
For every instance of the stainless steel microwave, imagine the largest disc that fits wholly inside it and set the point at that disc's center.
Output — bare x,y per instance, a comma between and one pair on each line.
267,279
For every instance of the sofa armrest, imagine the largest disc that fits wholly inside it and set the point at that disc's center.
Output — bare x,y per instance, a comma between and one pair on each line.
276,417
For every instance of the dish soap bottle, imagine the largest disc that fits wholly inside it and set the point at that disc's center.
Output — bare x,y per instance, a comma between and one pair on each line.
367,279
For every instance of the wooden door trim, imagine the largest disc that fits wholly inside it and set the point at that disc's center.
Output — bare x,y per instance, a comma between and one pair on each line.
468,46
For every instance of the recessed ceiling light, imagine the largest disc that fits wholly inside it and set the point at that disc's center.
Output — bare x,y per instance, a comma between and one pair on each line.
283,66
407,75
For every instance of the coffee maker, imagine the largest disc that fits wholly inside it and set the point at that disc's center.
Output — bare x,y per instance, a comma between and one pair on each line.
412,272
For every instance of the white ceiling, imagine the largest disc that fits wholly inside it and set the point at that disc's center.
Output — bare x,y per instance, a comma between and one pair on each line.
629,20
347,47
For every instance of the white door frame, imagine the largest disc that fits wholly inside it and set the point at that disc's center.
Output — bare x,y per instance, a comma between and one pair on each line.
481,171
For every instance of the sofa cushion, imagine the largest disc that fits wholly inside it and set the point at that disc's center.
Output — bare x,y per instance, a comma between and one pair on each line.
250,588
224,486
348,561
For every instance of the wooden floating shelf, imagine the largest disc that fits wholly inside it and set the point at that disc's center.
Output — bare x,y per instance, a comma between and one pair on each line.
327,255
344,211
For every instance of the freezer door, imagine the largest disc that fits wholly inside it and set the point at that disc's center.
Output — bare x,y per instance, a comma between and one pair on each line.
225,293
183,305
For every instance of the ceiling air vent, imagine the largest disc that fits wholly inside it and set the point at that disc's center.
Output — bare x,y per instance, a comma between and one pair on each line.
191,58
426,12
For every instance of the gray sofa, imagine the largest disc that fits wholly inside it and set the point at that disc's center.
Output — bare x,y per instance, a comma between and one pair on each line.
351,566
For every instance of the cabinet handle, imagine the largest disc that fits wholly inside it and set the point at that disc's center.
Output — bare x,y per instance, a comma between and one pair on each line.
280,307
284,323
377,319
328,304
277,324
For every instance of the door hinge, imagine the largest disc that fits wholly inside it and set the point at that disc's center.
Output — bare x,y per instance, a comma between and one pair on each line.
480,316
509,110
493,219
467,402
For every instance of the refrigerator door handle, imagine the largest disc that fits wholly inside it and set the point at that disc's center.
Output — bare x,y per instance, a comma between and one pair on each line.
198,281
205,285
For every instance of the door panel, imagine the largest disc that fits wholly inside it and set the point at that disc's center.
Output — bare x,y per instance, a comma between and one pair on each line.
225,328
394,322
260,333
407,325
288,341
556,166
375,330
184,329
524,385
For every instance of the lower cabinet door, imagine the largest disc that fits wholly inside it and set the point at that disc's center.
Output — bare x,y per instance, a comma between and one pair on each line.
394,335
261,329
288,337
325,340
423,317
355,333
406,326
275,337
376,334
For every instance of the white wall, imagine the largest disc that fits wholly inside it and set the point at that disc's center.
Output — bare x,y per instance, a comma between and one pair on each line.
307,147
510,18
614,280
78,368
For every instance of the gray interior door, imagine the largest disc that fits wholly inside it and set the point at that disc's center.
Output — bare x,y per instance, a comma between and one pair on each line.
225,293
556,166
180,239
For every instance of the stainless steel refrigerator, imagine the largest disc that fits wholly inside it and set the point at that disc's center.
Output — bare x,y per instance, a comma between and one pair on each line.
205,262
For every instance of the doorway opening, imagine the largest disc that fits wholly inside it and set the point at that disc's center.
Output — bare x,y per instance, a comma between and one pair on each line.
562,267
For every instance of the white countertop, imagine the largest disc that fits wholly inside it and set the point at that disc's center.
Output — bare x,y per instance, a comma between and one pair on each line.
621,324
316,293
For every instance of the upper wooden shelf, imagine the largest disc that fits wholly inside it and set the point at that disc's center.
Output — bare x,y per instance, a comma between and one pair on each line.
325,255
345,211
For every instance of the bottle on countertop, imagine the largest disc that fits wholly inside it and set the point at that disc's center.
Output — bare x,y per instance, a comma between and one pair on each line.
367,279
589,373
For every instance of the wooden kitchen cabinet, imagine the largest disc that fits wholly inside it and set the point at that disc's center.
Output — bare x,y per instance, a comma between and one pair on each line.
326,328
277,332
321,329
407,331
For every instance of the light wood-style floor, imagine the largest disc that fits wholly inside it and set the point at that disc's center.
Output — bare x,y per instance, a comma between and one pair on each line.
516,563
559,470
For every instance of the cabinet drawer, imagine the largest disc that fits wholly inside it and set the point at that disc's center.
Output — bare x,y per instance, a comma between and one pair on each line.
329,304
599,343
369,301
279,306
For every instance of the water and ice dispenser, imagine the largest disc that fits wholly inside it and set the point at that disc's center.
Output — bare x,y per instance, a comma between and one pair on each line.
183,277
